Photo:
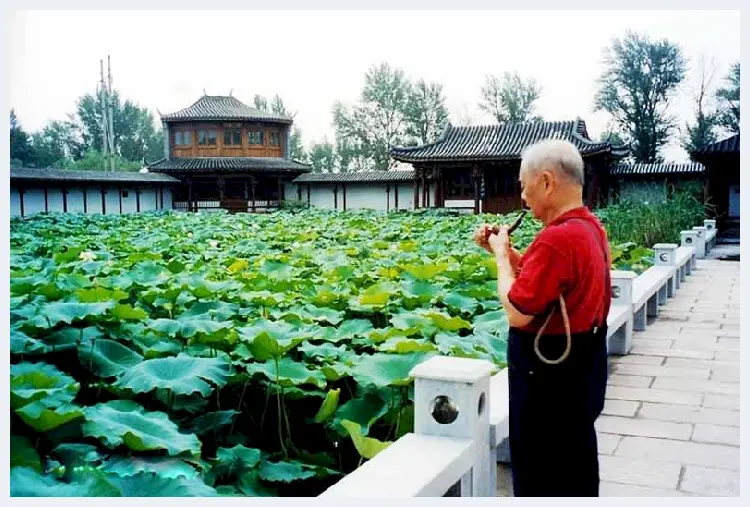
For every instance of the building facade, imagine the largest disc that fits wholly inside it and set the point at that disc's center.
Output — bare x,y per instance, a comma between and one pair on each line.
480,164
60,190
228,155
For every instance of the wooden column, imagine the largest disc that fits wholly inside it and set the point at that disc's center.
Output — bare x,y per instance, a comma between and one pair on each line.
475,179
21,191
252,193
439,202
190,193
46,201
335,196
138,200
388,198
344,187
417,172
103,190
220,184
278,192
299,192
119,194
308,194
395,196
85,203
161,197
65,199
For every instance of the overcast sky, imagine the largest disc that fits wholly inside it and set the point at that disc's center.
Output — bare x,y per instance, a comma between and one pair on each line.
164,60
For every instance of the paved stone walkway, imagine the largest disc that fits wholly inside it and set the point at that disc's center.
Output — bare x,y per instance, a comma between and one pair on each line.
671,422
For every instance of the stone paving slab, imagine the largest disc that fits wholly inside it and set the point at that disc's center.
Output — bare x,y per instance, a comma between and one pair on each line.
670,425
680,434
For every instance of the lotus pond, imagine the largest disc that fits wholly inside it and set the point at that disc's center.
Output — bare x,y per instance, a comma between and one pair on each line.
169,354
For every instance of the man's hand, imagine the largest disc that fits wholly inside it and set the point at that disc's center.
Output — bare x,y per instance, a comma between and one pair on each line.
481,239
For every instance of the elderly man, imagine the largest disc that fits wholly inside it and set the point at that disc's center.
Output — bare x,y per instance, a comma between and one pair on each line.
557,297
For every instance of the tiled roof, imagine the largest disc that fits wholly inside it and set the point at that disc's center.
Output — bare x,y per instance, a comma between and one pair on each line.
220,164
502,142
219,108
356,177
646,169
29,174
728,145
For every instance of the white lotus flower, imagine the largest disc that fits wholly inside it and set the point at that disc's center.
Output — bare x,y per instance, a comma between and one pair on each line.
189,234
87,256
213,243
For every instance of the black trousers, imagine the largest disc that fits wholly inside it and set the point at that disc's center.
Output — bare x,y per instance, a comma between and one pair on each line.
553,444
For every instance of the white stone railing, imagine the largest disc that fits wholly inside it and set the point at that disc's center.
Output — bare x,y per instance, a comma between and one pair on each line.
461,409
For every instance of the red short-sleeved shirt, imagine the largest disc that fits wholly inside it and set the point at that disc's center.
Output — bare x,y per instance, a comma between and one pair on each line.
566,257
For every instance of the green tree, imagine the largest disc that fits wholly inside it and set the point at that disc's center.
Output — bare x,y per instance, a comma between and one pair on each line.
56,142
701,132
379,119
510,98
729,100
426,113
296,148
21,150
323,157
639,78
611,137
93,160
134,132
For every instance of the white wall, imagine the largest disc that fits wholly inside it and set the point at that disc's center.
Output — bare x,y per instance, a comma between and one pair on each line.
33,200
363,195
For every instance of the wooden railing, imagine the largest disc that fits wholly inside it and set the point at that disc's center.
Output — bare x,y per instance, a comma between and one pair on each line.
461,405
231,205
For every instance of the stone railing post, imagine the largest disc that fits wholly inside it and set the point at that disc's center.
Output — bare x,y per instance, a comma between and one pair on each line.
702,234
451,399
695,240
710,225
665,254
621,342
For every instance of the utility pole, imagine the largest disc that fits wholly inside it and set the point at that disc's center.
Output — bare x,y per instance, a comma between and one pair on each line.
110,103
104,123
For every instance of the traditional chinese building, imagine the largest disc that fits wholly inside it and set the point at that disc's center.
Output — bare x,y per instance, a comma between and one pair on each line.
478,166
722,161
228,155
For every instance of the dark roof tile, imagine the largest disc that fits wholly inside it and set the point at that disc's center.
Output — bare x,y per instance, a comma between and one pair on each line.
25,173
728,145
501,142
356,177
646,169
220,108
219,164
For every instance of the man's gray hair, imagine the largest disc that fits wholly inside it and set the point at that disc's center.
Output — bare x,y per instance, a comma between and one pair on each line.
554,154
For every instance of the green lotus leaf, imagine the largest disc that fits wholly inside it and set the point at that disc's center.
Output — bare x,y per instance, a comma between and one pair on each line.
290,373
182,375
384,370
213,421
457,302
107,358
285,471
30,382
329,406
425,271
406,346
269,339
43,417
124,422
163,466
127,312
367,447
69,312
149,484
100,295
23,454
21,343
